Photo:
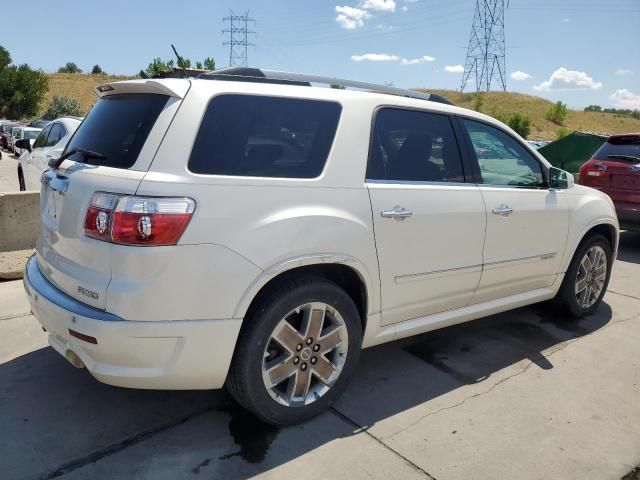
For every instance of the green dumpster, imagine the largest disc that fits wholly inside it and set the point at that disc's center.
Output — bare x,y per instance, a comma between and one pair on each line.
570,152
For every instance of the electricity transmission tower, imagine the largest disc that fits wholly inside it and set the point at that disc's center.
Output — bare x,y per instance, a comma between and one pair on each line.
486,51
238,38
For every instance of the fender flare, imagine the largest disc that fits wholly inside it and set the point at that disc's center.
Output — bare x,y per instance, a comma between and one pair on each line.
283,266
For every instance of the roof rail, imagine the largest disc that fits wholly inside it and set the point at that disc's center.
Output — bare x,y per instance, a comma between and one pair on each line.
244,74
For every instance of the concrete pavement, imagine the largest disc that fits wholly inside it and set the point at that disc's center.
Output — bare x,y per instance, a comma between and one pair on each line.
519,395
8,172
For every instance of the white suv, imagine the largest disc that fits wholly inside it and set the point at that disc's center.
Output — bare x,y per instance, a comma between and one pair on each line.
246,229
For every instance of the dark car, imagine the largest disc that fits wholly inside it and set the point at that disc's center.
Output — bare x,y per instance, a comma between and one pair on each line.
40,123
5,131
615,169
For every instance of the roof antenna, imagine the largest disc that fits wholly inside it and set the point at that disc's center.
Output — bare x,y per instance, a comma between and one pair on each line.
180,61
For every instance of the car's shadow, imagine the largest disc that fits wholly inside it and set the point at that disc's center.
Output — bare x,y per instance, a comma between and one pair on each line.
56,419
629,248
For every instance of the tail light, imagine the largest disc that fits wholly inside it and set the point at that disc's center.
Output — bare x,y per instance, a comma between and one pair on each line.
133,220
593,169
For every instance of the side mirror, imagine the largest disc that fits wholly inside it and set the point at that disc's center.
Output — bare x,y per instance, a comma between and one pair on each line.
560,179
24,144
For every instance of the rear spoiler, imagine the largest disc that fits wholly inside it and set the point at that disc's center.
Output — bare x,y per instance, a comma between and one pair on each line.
171,87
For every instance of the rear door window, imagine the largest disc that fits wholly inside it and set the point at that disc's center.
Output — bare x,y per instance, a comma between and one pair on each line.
259,136
623,149
55,135
117,127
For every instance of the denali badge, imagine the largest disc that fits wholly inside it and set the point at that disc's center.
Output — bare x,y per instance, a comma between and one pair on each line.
88,293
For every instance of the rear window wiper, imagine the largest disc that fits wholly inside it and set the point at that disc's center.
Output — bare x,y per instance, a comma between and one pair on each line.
54,163
631,158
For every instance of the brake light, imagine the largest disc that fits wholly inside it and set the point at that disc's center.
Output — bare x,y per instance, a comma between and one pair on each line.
593,169
133,220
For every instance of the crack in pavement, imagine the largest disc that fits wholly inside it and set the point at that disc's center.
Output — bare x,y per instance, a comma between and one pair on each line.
119,446
366,431
532,361
623,294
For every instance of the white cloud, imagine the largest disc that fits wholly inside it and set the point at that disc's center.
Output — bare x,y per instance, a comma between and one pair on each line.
622,71
519,75
623,98
563,79
375,57
387,28
565,20
454,68
413,61
405,8
379,5
350,17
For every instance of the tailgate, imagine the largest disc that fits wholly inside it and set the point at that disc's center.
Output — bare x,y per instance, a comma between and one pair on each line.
110,152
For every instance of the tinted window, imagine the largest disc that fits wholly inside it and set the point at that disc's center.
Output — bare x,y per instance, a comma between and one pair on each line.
414,146
502,159
264,137
117,127
623,149
41,141
55,134
31,134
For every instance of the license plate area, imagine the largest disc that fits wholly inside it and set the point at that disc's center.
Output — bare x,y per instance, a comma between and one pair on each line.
627,182
52,208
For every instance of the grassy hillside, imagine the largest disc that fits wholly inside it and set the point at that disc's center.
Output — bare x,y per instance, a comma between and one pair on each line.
76,85
536,107
81,86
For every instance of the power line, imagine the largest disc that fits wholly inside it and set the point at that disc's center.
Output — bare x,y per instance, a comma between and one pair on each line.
486,51
238,38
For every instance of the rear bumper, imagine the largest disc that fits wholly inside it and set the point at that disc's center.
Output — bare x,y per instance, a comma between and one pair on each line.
175,355
628,215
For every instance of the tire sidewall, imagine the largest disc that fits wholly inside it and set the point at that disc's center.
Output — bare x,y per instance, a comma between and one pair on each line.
258,332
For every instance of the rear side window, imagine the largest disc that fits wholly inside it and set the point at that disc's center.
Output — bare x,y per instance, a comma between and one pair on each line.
41,141
256,136
620,149
55,135
410,145
117,127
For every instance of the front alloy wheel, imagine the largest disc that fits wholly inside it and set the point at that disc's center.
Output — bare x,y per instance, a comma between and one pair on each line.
591,276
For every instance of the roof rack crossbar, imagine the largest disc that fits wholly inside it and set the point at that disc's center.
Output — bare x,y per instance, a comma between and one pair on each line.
274,76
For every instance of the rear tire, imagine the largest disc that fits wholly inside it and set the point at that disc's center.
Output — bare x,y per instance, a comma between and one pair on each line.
586,280
21,183
297,349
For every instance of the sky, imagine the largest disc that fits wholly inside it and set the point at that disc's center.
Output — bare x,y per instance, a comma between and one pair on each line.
579,51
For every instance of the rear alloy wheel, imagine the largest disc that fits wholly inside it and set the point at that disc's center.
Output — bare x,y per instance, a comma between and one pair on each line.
585,281
305,354
296,351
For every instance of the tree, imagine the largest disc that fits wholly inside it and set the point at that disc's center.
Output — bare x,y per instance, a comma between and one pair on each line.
70,67
557,113
338,87
209,63
5,58
96,70
478,101
21,88
61,106
593,108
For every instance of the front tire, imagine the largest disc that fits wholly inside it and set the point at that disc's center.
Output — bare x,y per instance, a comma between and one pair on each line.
296,351
586,280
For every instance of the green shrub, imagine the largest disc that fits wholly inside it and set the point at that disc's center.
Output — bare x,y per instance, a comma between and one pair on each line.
562,132
96,70
478,101
557,113
61,106
520,123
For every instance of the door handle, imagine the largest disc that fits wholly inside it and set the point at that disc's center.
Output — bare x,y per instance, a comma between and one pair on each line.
503,210
397,213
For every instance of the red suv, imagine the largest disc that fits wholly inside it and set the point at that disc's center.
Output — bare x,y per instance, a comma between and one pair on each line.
615,169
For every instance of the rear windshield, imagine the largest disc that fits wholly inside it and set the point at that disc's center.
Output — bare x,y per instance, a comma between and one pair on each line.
260,136
626,148
117,127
